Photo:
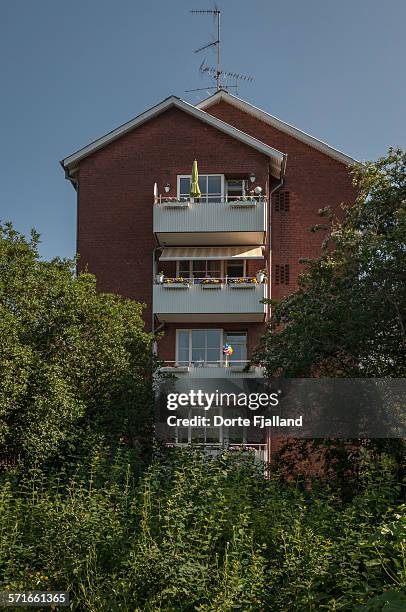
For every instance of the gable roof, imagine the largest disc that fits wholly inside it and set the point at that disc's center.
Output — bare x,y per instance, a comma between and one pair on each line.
277,159
277,123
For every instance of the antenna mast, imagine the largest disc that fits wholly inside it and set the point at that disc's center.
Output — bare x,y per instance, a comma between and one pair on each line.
217,73
216,43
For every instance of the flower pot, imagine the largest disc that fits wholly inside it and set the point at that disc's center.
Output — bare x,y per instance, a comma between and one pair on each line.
159,278
176,285
242,285
260,277
210,285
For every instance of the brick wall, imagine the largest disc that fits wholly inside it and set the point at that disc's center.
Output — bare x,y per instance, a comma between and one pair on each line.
313,179
115,238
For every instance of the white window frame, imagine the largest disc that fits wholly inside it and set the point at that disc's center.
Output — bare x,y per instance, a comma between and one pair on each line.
245,189
237,333
189,330
223,267
178,264
180,176
244,270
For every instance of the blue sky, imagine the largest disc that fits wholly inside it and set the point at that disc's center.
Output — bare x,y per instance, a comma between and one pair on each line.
71,71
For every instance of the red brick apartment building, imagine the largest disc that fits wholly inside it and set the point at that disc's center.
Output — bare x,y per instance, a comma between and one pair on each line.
262,183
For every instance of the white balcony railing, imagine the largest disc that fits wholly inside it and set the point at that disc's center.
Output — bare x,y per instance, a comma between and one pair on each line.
232,368
211,215
259,451
236,298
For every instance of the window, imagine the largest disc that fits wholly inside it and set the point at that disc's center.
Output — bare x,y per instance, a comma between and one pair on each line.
238,341
200,268
197,435
236,188
211,187
200,347
235,268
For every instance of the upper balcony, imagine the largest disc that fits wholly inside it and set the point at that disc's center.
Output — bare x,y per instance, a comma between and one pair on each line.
225,220
209,300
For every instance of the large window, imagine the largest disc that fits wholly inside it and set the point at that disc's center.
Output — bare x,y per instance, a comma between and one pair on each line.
211,187
199,268
201,347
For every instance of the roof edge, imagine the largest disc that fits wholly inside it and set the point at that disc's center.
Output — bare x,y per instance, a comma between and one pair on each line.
276,156
262,115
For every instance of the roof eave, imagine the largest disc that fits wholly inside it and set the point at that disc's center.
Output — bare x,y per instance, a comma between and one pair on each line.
278,124
275,155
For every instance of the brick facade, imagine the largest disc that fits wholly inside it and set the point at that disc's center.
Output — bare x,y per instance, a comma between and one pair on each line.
115,201
313,179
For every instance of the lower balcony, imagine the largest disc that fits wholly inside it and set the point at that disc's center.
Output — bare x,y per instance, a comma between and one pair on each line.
219,369
209,300
258,451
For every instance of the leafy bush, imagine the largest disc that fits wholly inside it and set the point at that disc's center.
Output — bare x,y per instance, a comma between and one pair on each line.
202,534
75,366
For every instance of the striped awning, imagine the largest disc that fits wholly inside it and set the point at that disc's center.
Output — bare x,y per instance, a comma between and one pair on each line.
234,252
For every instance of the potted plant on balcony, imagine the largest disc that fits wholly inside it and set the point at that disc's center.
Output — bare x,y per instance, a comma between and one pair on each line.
176,202
159,278
243,282
176,283
244,201
211,283
261,275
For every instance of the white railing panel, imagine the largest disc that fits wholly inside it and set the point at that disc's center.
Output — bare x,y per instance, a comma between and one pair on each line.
210,216
195,299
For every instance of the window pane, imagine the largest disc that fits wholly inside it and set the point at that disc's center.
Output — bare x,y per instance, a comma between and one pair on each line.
214,268
183,339
213,338
184,186
235,268
183,435
198,354
184,269
214,185
198,338
213,355
236,338
183,356
199,268
183,347
239,344
203,183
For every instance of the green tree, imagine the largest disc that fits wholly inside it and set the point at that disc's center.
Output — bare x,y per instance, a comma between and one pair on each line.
75,365
348,317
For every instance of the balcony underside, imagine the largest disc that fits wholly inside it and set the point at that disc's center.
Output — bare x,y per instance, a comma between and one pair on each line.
210,238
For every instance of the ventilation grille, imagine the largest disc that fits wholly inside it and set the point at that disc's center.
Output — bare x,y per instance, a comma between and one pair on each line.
281,201
282,274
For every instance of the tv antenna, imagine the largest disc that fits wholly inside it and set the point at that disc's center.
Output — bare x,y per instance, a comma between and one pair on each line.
217,73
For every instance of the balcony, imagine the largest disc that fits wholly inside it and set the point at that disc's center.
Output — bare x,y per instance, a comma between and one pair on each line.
218,369
257,451
209,300
221,220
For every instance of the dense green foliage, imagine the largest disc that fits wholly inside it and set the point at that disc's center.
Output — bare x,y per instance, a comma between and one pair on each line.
348,317
195,534
86,507
74,364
